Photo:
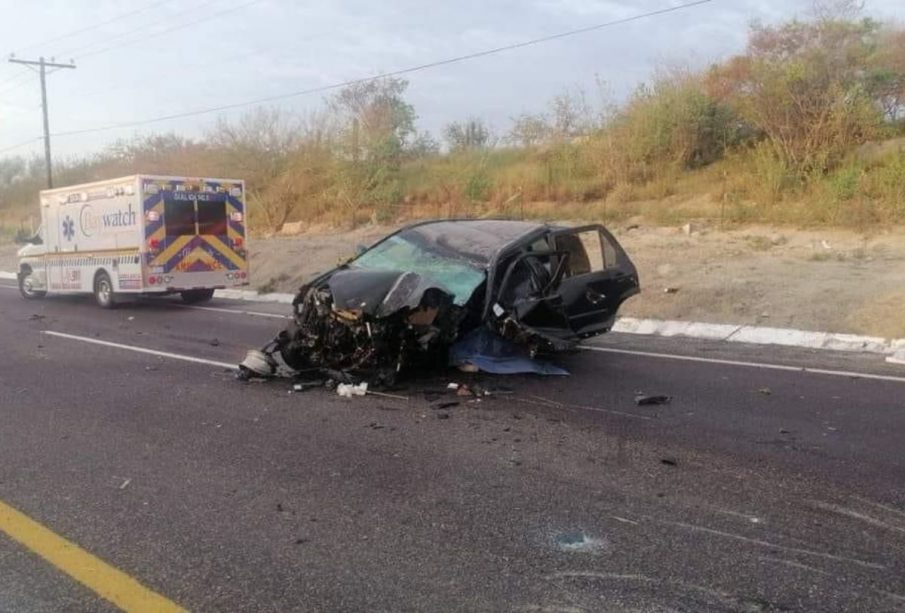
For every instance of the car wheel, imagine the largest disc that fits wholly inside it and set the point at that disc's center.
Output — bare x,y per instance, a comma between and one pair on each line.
194,296
103,291
26,286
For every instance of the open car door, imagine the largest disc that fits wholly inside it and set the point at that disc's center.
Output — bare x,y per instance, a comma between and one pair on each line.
596,277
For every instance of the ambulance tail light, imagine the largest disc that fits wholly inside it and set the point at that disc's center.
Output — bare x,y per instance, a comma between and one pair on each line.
238,241
154,244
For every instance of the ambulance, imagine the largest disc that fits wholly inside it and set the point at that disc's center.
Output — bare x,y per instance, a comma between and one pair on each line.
138,235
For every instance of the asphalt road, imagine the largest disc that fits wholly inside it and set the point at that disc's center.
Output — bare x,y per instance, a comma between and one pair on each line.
755,489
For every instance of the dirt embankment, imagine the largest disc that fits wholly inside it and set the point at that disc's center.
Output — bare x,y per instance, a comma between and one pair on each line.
828,280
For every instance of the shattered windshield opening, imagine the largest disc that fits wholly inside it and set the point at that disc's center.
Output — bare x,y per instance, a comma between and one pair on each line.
457,275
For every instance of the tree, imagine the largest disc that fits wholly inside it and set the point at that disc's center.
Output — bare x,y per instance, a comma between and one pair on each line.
466,135
159,154
378,131
285,160
529,130
377,121
807,87
886,80
571,115
423,145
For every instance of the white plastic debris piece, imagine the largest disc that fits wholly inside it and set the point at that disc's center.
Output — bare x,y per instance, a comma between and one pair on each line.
498,310
347,390
452,386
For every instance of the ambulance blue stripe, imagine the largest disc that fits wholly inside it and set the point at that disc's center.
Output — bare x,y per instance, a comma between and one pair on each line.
210,250
151,201
227,263
170,264
153,226
236,203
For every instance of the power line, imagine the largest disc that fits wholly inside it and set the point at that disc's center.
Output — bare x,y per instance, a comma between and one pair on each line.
94,26
20,145
189,67
130,33
20,76
394,73
143,29
134,41
97,25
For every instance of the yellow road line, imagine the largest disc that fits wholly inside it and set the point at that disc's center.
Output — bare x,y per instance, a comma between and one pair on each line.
89,570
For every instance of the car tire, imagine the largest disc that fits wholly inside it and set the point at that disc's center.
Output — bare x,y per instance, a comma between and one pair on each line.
195,296
103,291
25,287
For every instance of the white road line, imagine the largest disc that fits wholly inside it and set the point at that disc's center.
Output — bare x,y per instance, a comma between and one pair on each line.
201,308
233,311
761,365
162,354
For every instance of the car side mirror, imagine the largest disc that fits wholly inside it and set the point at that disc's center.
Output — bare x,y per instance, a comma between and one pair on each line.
360,249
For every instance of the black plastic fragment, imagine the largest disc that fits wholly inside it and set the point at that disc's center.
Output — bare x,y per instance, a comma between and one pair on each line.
645,400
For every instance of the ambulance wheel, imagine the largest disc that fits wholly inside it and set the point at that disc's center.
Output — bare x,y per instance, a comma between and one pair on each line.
194,296
26,286
103,291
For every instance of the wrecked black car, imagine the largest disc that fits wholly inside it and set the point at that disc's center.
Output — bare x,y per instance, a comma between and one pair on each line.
401,304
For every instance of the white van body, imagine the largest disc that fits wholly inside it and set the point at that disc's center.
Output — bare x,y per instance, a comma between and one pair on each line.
143,234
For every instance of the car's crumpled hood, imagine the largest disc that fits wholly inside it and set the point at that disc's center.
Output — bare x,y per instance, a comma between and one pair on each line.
380,293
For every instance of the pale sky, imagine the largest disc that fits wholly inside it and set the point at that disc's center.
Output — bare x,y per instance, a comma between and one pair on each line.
182,55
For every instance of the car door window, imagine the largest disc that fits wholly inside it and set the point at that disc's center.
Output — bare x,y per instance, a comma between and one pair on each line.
586,251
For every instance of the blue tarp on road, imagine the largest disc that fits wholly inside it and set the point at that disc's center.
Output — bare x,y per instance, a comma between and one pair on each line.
493,354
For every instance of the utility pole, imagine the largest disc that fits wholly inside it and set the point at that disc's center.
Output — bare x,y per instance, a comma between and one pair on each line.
43,65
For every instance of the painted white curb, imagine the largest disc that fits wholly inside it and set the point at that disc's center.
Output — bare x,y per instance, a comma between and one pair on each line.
8,276
760,335
253,296
897,358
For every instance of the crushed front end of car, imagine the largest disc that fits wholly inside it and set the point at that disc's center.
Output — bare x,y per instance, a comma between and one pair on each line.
361,325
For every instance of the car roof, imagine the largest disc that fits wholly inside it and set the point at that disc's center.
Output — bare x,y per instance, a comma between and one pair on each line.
476,239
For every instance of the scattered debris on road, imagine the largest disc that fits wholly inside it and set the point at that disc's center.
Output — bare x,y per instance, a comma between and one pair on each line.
487,295
669,461
307,385
347,390
645,400
578,542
